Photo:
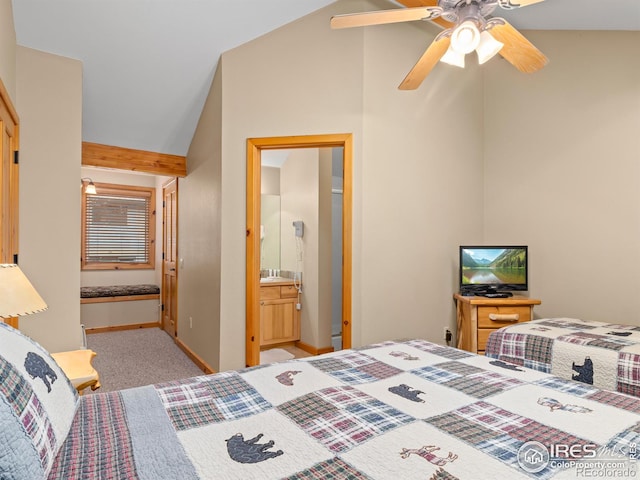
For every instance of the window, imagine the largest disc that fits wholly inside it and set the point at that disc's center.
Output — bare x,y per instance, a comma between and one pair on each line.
118,228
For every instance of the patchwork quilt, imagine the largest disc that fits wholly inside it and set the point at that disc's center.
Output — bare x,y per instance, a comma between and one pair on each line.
605,355
394,410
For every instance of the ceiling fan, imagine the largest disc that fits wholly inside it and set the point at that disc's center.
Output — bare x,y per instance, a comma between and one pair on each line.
468,26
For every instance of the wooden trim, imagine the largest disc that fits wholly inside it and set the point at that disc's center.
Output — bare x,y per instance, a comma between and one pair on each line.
106,156
6,99
116,328
313,350
194,357
254,149
121,298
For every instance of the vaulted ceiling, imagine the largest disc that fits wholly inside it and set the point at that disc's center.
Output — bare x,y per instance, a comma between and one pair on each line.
148,64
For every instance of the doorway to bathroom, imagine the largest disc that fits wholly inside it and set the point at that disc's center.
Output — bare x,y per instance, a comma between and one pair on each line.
338,331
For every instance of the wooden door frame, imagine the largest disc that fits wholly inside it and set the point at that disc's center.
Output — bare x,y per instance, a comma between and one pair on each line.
254,151
9,166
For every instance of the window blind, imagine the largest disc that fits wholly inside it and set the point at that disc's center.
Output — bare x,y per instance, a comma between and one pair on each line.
117,228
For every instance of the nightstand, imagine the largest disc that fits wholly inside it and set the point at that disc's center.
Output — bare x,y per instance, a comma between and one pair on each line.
76,365
479,316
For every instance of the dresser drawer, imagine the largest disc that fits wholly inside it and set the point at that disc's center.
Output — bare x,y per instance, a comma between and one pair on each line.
269,293
501,316
483,336
288,291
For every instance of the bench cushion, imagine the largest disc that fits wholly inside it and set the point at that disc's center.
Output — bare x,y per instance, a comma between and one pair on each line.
118,291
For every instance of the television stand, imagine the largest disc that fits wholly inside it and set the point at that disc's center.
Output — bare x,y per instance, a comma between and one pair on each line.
478,316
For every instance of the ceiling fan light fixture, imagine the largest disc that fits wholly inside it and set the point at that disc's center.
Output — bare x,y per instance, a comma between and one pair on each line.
488,47
465,37
453,58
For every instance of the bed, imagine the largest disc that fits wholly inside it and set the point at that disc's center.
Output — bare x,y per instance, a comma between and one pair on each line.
394,410
605,355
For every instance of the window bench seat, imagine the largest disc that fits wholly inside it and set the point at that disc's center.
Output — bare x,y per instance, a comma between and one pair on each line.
119,293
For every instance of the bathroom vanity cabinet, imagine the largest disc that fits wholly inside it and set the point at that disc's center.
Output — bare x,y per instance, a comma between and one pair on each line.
279,319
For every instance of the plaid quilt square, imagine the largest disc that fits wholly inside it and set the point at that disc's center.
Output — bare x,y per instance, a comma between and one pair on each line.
203,400
379,415
342,396
38,426
353,376
567,323
435,374
177,394
450,353
307,407
100,437
624,402
462,428
225,384
380,370
14,387
345,417
532,364
493,417
241,404
579,338
340,431
629,368
538,349
546,435
626,443
330,365
194,415
333,469
513,345
611,343
482,385
567,386
503,447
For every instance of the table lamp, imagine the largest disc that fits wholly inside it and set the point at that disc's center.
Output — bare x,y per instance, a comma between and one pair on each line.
17,295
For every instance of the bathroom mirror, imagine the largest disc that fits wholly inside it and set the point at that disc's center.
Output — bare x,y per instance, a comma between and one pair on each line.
269,232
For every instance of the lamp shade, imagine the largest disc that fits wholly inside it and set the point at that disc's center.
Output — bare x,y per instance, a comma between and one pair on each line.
488,47
465,37
453,58
17,295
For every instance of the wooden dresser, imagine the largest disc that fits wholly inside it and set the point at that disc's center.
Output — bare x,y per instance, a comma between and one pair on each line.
479,316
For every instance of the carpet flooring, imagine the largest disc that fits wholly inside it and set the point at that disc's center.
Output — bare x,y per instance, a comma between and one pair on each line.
133,358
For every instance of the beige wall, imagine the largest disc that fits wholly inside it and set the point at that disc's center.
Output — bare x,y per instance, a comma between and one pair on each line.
405,193
8,49
49,102
199,234
302,179
562,160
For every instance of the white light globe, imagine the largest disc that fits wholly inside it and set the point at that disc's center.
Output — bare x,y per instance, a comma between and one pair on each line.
465,38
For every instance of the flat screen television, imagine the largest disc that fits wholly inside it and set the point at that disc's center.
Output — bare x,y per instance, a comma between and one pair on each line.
493,269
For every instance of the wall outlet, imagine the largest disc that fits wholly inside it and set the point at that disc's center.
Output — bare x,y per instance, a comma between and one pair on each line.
448,336
190,322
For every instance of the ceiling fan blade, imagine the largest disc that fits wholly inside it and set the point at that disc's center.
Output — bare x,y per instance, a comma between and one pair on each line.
423,67
510,4
427,3
384,16
517,50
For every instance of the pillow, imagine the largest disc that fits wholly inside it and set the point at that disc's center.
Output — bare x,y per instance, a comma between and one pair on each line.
37,406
